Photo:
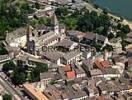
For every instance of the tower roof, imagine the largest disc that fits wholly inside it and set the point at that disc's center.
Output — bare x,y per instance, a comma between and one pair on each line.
29,30
55,20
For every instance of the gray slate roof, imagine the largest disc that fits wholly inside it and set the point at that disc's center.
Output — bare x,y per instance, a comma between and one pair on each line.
71,54
65,43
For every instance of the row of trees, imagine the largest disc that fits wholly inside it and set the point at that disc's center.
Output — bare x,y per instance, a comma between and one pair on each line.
86,21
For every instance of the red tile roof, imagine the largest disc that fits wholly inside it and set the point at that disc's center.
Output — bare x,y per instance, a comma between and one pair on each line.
101,98
105,63
102,64
70,75
97,63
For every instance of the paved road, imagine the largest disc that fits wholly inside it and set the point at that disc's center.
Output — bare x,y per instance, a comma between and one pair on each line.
10,89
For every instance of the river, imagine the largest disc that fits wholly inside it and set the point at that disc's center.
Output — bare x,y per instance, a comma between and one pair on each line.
119,7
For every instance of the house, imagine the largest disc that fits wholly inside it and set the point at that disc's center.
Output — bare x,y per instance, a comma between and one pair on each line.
76,35
87,65
46,77
102,64
72,57
16,38
70,75
89,38
118,58
52,67
108,87
75,93
33,92
91,89
66,45
53,56
80,73
54,93
116,44
110,73
100,39
129,37
95,73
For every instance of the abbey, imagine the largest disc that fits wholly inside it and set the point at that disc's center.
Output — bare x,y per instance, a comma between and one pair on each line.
34,38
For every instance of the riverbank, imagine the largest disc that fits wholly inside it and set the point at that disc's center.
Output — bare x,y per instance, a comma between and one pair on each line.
90,6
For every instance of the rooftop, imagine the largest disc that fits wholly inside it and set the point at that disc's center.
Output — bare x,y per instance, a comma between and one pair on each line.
77,34
65,43
15,34
35,92
51,55
67,68
102,64
70,74
46,75
71,54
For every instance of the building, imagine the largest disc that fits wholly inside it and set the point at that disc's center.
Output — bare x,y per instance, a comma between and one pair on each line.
102,64
17,38
80,73
53,56
72,57
38,38
34,38
66,45
33,92
47,77
76,35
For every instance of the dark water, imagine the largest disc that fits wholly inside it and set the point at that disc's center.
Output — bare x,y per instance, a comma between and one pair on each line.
119,7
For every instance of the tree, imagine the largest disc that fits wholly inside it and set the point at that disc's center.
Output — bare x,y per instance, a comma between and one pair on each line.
8,66
3,51
35,74
7,97
41,67
62,11
108,48
125,29
12,15
37,6
71,23
18,77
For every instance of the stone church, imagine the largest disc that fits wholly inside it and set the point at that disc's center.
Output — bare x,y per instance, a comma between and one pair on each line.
34,38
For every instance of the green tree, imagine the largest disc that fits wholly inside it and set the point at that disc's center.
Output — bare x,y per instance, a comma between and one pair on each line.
37,6
19,75
13,14
7,97
125,29
18,78
35,74
3,51
8,66
62,11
